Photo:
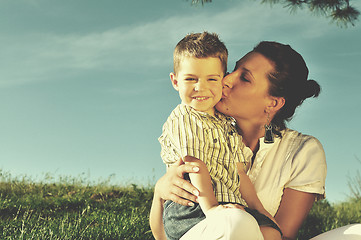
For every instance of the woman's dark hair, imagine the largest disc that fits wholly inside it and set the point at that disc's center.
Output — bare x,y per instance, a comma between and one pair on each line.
288,80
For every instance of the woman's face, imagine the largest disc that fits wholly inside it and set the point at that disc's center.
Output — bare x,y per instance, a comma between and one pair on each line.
245,91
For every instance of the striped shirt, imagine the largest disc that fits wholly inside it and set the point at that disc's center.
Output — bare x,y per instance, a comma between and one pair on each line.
213,140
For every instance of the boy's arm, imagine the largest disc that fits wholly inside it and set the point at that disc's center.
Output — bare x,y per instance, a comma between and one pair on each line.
248,192
202,181
185,137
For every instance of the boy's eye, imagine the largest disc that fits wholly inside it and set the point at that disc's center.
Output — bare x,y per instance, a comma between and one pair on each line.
212,79
190,79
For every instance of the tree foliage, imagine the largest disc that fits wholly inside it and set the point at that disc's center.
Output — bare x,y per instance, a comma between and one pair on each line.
354,184
339,11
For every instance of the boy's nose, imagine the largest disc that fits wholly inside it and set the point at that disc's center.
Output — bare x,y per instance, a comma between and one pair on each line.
199,86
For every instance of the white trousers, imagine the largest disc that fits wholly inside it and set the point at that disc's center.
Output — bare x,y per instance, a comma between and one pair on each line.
349,232
226,224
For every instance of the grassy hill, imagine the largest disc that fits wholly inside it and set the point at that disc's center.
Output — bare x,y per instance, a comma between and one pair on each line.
72,209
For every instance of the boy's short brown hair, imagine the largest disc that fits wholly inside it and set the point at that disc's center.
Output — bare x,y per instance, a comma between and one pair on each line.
200,45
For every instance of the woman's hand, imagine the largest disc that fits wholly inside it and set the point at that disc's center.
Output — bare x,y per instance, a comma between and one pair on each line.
172,185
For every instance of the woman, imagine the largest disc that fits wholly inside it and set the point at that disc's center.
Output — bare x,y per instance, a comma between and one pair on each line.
288,168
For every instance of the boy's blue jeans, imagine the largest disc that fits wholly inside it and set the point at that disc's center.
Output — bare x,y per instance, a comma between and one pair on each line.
178,219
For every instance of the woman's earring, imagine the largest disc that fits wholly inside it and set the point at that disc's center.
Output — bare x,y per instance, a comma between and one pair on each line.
268,134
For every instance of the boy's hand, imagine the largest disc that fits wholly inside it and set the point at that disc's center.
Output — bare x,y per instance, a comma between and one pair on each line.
231,205
172,185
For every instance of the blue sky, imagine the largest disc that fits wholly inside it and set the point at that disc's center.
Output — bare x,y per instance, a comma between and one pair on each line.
84,86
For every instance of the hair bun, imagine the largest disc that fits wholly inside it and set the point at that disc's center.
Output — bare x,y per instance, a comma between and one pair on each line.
312,89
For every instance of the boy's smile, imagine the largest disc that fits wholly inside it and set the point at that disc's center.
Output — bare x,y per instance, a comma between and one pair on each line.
199,82
201,98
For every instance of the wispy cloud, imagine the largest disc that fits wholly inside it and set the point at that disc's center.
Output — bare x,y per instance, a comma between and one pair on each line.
43,56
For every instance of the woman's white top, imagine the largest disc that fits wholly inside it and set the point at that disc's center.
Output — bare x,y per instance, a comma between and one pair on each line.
294,161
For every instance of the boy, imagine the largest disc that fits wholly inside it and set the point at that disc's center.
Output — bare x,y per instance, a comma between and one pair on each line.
195,130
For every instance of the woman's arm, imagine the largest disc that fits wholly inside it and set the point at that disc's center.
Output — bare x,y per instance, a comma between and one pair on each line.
156,217
294,208
173,187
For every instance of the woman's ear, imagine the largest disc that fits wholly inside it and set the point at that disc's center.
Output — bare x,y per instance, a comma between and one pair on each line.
173,78
277,103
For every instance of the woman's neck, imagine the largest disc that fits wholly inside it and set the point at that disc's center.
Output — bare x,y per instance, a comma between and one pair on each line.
251,134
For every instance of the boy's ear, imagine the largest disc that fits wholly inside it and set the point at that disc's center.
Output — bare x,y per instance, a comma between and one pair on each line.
174,80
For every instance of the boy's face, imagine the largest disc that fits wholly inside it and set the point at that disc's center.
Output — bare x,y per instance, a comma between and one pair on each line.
199,82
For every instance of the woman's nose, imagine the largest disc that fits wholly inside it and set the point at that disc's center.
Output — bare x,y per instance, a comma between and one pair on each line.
227,85
227,82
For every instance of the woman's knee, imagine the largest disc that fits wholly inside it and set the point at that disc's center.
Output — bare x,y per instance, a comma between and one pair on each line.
236,224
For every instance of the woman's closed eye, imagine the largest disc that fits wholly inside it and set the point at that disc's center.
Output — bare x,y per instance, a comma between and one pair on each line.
244,78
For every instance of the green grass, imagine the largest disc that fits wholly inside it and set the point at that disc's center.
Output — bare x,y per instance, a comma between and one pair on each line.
73,209
325,216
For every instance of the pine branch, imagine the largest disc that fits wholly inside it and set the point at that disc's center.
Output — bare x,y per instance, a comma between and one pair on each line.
195,2
346,15
339,11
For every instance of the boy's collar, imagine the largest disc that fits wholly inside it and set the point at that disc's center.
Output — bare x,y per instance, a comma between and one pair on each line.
217,115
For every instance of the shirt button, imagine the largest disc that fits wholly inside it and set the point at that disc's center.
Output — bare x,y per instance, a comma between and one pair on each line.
215,140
